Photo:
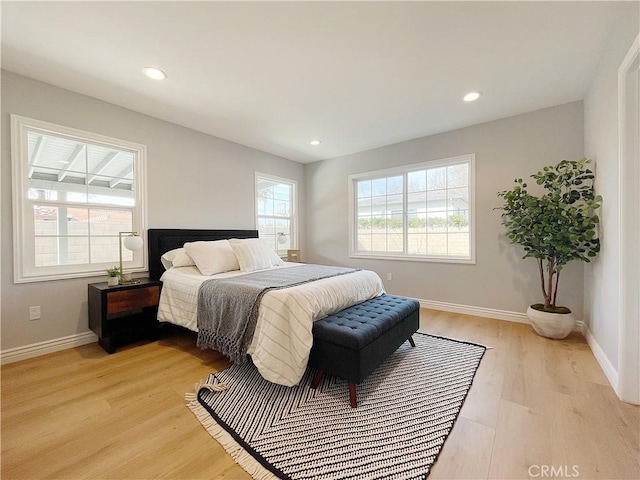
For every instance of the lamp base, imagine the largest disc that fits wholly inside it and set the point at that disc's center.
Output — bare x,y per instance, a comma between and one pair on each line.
127,280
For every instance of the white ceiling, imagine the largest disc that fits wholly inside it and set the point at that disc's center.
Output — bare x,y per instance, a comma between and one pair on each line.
275,75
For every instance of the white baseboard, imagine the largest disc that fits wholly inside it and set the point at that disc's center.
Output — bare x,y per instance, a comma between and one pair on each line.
49,346
496,314
607,367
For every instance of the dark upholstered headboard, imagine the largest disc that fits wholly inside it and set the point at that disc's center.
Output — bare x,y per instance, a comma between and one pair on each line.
161,240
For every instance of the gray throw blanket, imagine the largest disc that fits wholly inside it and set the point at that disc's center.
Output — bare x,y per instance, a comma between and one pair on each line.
228,308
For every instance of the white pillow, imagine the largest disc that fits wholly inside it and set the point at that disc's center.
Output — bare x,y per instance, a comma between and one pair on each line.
212,257
177,257
254,254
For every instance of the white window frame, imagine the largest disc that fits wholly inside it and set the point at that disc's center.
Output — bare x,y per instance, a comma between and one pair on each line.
404,170
294,207
24,267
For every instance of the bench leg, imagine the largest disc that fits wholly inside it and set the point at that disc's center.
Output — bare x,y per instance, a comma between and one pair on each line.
317,379
413,344
352,395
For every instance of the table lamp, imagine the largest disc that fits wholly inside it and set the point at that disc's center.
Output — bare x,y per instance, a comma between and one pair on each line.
131,242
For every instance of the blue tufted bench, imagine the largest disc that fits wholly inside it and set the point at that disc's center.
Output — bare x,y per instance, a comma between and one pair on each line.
352,343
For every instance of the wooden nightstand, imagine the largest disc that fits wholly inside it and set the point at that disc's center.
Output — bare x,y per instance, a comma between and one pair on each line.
294,256
123,313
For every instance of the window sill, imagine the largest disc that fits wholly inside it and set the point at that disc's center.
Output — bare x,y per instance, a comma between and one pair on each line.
413,258
71,275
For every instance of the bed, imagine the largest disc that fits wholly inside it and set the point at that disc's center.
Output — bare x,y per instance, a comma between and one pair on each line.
282,340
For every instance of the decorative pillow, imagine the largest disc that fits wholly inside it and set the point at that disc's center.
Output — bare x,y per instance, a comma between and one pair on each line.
212,257
254,254
176,258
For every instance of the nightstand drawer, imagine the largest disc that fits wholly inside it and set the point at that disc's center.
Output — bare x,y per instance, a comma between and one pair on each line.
127,300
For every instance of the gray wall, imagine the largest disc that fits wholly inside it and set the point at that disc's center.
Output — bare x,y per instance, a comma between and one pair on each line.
505,149
194,180
602,277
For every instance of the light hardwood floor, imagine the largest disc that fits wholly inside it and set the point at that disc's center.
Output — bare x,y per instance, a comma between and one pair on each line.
536,406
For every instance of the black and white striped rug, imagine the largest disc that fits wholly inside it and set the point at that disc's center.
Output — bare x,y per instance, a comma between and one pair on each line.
406,409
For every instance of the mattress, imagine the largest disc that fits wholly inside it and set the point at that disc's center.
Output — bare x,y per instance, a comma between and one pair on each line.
282,340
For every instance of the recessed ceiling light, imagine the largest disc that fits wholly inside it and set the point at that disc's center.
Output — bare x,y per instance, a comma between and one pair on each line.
154,73
472,96
315,142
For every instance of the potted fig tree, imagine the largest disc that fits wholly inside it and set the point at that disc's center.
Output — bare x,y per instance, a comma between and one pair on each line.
555,227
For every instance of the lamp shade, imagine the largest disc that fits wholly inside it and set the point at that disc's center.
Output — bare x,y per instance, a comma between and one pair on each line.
133,243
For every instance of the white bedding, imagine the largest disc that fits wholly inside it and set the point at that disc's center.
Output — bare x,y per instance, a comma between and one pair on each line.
282,340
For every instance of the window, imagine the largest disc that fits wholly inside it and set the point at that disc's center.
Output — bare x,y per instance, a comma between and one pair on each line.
276,212
416,212
73,191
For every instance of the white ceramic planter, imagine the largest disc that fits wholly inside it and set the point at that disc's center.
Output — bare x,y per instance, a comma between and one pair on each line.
112,281
551,325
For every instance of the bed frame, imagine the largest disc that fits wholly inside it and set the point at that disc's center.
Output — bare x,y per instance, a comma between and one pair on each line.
161,240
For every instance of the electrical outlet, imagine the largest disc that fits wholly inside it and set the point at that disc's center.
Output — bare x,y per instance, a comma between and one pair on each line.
390,277
34,313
